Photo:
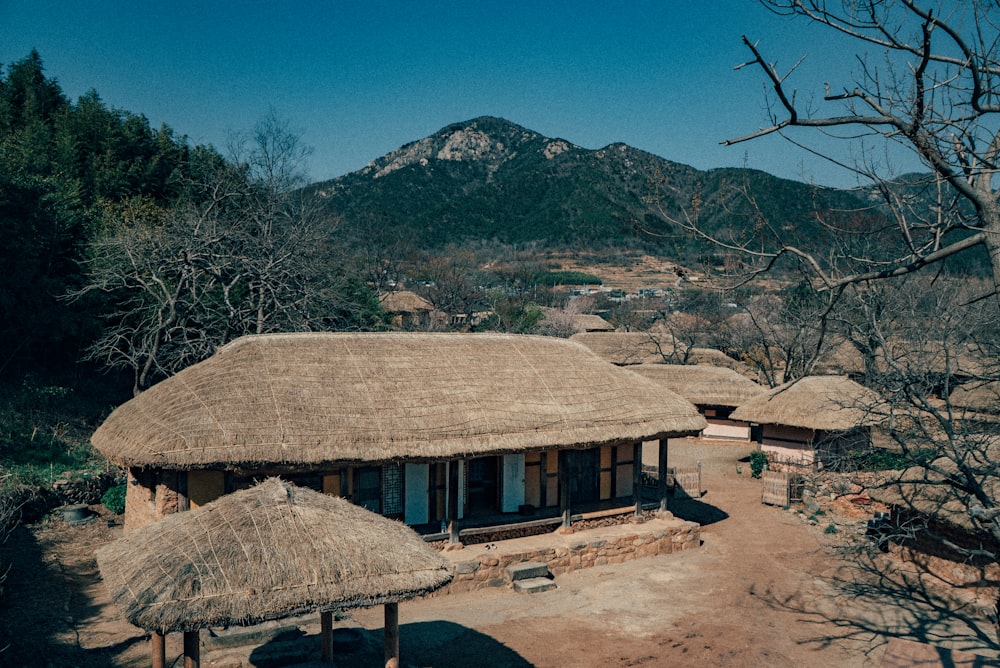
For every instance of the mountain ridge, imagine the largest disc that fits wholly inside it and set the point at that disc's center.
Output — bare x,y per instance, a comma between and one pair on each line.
491,179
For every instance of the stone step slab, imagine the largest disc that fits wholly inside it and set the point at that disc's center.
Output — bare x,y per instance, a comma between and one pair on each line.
526,570
534,585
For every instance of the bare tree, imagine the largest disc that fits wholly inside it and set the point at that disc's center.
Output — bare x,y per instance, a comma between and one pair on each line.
932,90
927,82
243,253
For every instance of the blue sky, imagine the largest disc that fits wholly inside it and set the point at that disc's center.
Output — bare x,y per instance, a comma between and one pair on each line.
357,79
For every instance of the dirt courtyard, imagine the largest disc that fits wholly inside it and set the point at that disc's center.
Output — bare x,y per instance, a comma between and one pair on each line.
766,588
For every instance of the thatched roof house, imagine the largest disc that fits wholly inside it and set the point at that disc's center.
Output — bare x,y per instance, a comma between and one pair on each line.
831,414
407,309
406,424
822,403
271,551
381,397
404,301
716,391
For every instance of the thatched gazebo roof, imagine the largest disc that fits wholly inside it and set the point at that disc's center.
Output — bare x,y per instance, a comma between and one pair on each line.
822,403
320,398
272,551
702,384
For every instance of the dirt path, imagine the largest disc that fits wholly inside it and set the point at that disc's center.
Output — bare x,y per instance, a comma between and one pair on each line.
767,588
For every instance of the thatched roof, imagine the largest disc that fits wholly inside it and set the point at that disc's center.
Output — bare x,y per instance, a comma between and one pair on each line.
320,398
840,357
702,384
927,489
983,397
404,301
627,348
825,403
589,322
268,552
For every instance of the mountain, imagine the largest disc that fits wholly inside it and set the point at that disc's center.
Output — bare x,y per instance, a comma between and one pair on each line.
490,179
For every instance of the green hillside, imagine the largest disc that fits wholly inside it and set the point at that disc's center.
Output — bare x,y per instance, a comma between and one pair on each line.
490,179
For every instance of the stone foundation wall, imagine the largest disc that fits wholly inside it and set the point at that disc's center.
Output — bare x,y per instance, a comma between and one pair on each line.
575,552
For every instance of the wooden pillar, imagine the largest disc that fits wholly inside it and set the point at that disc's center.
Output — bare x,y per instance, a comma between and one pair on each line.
158,645
565,498
326,636
662,474
192,649
391,631
451,491
637,477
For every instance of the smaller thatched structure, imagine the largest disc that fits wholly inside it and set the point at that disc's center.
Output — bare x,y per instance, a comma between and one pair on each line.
840,357
404,301
715,390
272,551
814,420
821,403
703,384
407,309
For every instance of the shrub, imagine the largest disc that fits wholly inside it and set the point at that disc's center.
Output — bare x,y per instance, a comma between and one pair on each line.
758,462
830,528
114,499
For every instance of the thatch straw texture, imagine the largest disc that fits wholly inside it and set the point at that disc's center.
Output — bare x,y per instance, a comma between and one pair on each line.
824,403
325,398
983,397
628,348
268,552
625,348
702,384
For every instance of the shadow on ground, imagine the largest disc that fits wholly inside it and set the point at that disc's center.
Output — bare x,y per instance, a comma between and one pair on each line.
873,596
440,644
694,510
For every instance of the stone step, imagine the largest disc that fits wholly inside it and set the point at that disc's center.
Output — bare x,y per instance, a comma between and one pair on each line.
526,570
534,585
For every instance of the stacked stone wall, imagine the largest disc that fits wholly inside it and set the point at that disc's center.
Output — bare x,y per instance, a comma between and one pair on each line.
487,570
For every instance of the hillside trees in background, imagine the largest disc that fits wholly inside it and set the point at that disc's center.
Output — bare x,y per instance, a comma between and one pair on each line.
242,251
60,165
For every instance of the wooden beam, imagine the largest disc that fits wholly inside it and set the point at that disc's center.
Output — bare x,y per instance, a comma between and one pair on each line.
637,477
391,631
326,636
192,649
662,473
564,489
158,647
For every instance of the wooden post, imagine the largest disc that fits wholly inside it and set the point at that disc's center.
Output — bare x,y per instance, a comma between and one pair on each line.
637,477
158,645
565,498
451,490
326,636
192,649
391,631
662,474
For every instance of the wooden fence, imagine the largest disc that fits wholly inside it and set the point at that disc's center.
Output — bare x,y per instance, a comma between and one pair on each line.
780,488
687,482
